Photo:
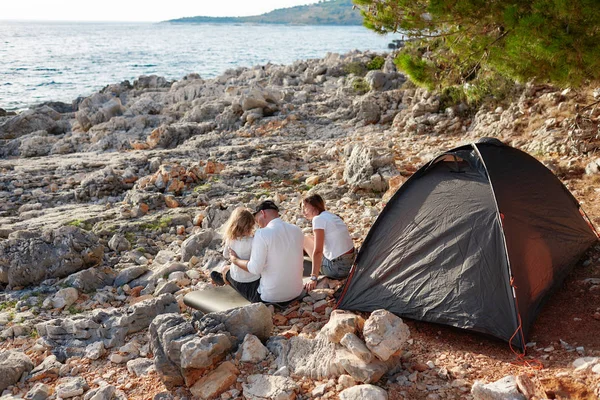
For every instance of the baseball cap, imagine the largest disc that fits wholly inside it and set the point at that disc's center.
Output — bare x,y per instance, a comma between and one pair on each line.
266,205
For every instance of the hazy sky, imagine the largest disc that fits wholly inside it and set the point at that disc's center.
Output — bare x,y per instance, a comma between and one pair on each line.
136,10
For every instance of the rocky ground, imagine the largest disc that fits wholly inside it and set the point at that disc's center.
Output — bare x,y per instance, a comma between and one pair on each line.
110,210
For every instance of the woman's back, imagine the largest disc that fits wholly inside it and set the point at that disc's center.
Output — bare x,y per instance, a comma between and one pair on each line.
243,248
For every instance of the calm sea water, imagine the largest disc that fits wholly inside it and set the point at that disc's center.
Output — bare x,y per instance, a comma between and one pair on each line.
41,61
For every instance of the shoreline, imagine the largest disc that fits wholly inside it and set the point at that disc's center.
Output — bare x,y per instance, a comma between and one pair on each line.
209,56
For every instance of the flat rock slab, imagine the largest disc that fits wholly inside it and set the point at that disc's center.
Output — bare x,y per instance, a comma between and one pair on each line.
262,387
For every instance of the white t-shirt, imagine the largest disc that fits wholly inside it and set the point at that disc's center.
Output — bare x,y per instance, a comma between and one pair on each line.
337,238
243,248
277,256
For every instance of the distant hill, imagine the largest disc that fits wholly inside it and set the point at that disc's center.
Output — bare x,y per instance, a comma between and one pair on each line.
333,12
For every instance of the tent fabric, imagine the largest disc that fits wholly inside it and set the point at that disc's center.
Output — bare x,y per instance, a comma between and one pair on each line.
448,243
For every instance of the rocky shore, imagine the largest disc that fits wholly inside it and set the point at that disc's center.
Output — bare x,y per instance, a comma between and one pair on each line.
110,209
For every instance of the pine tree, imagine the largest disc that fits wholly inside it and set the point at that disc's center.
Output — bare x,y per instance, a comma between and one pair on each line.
458,41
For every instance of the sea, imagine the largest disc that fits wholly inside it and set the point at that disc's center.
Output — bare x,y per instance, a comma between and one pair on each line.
60,61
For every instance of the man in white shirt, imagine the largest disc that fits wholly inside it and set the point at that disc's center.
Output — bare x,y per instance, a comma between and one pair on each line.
277,256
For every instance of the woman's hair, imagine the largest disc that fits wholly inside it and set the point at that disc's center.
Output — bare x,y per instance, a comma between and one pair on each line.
316,201
240,224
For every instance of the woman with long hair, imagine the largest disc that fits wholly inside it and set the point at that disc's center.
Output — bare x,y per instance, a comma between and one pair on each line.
238,233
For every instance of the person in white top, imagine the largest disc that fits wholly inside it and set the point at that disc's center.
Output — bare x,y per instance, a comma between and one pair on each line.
331,248
277,256
237,233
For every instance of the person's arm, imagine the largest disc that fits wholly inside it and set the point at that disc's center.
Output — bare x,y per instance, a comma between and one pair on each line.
258,257
317,258
317,255
233,257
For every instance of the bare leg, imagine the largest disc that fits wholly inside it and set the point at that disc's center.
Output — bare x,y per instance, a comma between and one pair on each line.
309,245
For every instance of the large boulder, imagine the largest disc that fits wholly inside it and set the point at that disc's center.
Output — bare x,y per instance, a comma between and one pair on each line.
98,108
385,334
340,323
168,334
40,119
205,351
37,144
255,319
193,245
28,258
218,381
365,168
91,279
12,365
151,82
101,183
171,136
313,358
73,335
215,216
380,81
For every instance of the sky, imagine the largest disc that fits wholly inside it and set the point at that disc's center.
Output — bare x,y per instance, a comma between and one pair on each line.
136,10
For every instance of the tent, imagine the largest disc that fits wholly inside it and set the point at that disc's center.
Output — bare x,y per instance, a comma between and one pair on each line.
477,239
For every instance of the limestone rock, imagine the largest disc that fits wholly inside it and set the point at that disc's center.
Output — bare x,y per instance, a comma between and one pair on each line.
503,389
253,350
340,323
140,366
91,279
40,119
95,350
27,260
313,358
119,243
255,319
357,347
100,183
193,245
361,168
98,108
530,387
49,368
65,297
360,370
593,167
71,387
111,326
36,144
205,351
585,363
216,382
261,387
215,216
12,365
104,392
128,274
151,82
39,391
385,334
361,392
168,333
170,136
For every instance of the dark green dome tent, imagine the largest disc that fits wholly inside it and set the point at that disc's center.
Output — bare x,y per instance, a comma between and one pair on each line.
476,239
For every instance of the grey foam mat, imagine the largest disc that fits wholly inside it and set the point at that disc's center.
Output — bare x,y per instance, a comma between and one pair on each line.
223,298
